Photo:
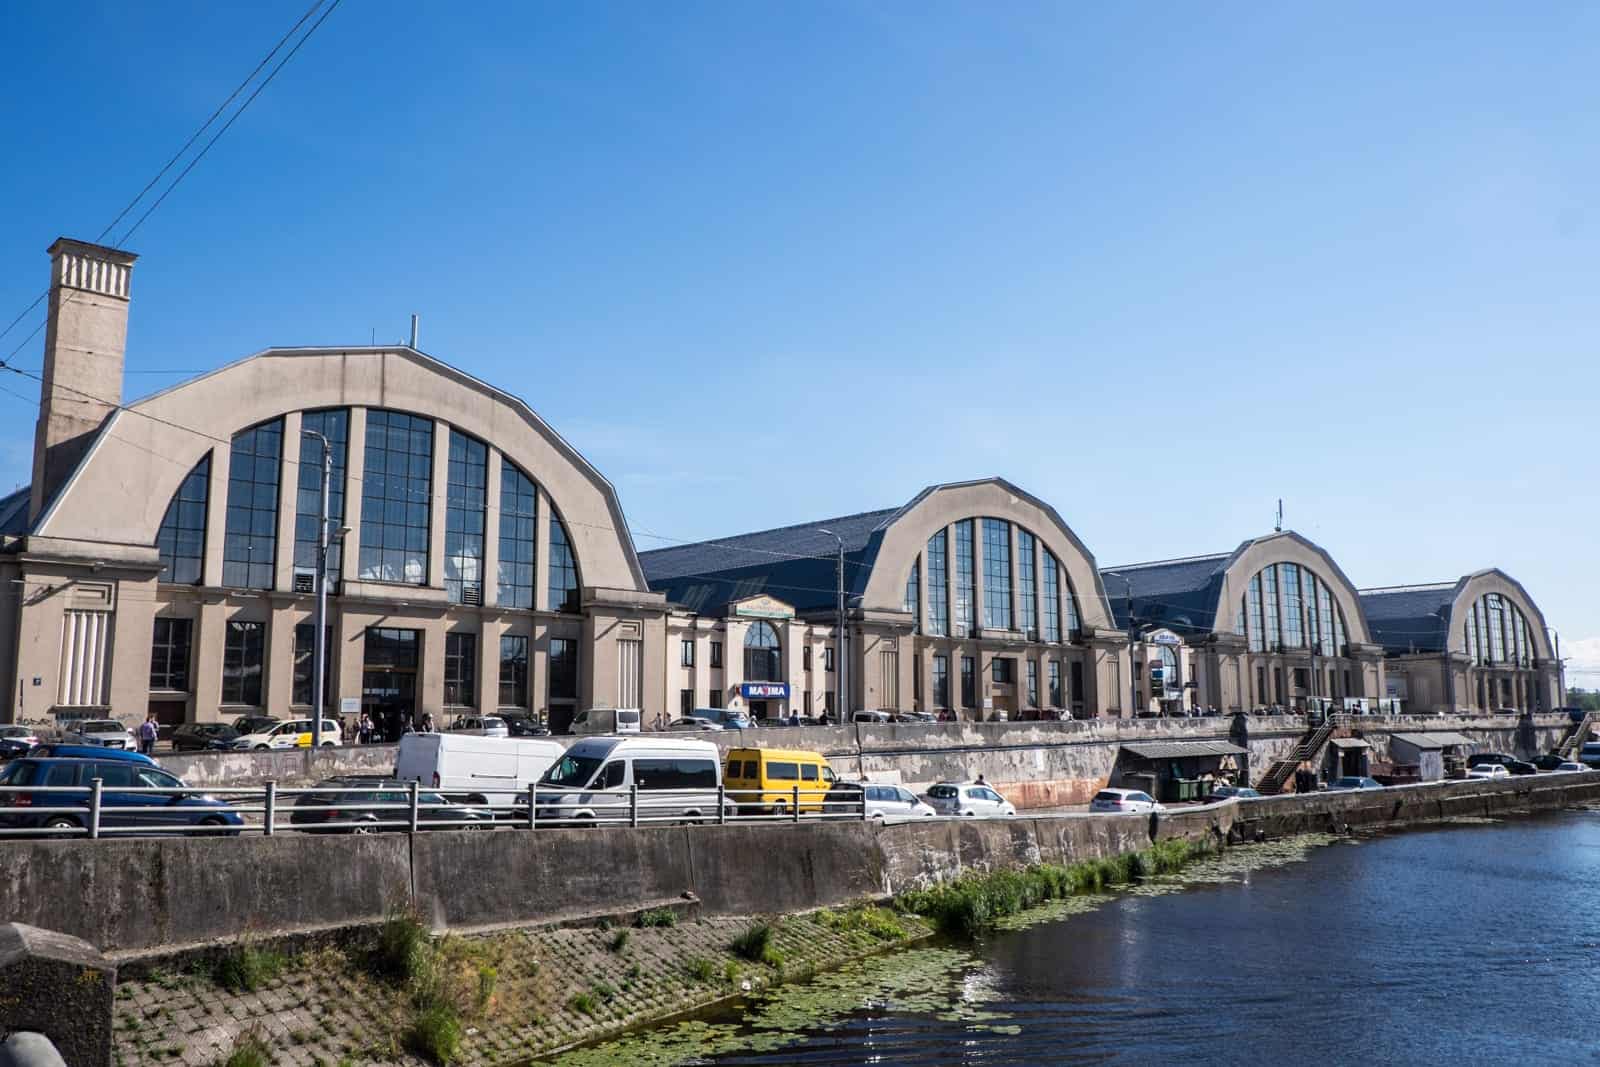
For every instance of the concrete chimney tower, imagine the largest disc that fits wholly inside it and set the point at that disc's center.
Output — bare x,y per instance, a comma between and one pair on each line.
84,342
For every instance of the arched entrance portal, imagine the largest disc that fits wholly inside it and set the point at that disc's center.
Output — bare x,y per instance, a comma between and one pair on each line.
764,688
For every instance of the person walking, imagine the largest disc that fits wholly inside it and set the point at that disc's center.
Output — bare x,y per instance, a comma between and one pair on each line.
148,732
364,730
427,723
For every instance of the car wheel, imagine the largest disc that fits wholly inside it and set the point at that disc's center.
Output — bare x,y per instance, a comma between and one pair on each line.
261,748
61,822
365,826
327,744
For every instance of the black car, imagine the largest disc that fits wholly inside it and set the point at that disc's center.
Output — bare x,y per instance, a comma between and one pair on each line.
524,726
1548,762
11,748
200,736
312,810
1510,763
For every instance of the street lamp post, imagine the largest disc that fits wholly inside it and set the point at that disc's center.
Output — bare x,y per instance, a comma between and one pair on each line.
319,638
1133,675
839,629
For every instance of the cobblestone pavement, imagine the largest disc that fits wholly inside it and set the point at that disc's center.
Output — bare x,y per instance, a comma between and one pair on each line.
527,991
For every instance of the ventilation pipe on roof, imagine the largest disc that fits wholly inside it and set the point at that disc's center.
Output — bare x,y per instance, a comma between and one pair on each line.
414,322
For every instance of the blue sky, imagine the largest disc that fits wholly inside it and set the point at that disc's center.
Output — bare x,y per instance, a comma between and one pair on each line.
766,262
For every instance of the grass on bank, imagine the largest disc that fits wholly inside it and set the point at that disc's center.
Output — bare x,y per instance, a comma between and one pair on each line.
967,906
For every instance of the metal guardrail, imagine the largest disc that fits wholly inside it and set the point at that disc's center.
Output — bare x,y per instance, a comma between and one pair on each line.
84,811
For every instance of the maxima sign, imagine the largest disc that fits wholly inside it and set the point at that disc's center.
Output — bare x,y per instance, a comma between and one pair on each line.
764,690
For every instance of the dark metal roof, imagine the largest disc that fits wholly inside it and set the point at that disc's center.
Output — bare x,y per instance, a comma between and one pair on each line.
1180,594
14,512
1431,741
1348,742
796,564
1402,618
1181,749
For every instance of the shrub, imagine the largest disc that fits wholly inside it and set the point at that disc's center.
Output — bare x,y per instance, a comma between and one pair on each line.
701,969
584,1003
248,1051
619,941
404,948
656,917
487,977
247,967
437,1033
730,973
755,945
869,919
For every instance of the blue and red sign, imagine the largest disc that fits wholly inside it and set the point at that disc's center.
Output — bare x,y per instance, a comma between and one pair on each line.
764,690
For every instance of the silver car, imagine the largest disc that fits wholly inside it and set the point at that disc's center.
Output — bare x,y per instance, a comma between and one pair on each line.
969,799
107,733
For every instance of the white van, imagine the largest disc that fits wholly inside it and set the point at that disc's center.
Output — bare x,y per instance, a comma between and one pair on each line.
594,780
477,770
607,721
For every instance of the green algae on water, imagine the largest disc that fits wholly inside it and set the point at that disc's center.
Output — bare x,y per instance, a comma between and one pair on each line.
945,982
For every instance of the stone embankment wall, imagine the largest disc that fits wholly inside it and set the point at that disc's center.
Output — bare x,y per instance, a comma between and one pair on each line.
147,895
1036,765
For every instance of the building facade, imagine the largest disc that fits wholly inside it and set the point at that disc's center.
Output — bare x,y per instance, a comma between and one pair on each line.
165,555
1273,624
1476,644
974,599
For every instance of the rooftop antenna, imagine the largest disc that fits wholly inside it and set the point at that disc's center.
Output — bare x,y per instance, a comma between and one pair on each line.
1278,528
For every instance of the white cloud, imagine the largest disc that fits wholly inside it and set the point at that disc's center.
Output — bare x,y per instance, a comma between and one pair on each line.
1583,662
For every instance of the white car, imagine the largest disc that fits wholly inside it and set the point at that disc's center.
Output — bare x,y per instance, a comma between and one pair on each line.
884,801
480,726
295,733
1488,770
969,799
1124,802
24,734
107,733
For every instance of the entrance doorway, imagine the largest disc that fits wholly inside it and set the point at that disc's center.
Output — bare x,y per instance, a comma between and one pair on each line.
758,709
389,679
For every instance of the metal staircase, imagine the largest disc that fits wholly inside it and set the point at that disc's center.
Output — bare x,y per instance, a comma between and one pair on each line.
1576,735
1309,747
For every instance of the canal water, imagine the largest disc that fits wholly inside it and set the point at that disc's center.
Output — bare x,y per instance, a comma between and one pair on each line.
1476,943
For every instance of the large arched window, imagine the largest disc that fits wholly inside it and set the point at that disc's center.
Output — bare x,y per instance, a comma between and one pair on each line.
763,654
1497,633
1287,607
334,425
1035,603
563,569
396,487
182,540
465,499
519,511
250,544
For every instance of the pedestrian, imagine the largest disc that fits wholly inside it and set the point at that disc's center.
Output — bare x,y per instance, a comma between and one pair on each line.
980,781
148,732
364,730
427,723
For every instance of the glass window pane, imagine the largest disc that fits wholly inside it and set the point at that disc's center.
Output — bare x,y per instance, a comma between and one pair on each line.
394,507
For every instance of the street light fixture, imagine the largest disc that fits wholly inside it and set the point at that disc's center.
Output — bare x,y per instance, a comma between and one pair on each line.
320,640
839,630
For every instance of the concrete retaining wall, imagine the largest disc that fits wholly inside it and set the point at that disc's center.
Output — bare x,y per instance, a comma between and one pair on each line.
1036,765
145,895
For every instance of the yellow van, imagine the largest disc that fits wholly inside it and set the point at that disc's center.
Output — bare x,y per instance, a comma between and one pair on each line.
763,780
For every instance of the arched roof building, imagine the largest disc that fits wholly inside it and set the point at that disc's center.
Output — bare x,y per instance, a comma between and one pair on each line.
1479,643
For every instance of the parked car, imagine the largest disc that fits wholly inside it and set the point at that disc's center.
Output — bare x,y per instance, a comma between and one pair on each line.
882,801
1124,802
480,726
524,726
201,736
916,716
1232,792
693,725
593,779
765,779
1570,765
119,810
254,724
25,734
969,799
1353,781
1549,761
1488,770
607,721
313,811
474,769
296,733
1589,755
871,716
11,748
61,750
1510,763
723,718
104,733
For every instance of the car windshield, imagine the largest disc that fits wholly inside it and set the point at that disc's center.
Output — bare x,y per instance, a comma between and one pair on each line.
942,792
1108,797
101,725
18,774
572,770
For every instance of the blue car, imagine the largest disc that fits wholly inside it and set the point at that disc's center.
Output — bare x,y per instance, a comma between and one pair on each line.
56,750
127,811
1354,782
